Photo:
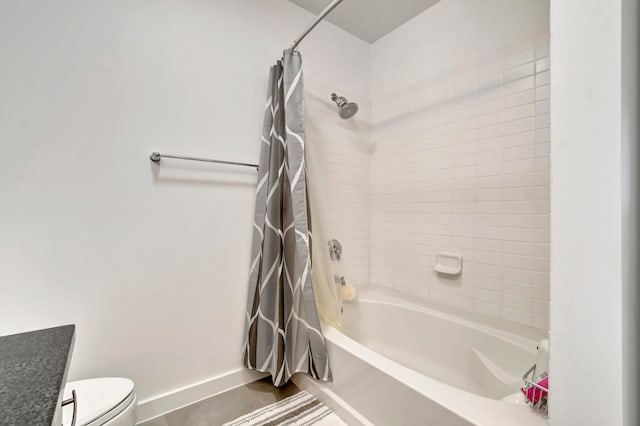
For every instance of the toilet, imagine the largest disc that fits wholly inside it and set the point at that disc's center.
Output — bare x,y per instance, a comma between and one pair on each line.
105,401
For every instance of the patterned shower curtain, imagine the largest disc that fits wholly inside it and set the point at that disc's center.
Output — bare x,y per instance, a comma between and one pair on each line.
283,334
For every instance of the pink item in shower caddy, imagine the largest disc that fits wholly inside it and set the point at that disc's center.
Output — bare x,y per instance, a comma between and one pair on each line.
535,394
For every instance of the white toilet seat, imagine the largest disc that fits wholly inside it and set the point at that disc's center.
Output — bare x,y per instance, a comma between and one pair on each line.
125,417
107,401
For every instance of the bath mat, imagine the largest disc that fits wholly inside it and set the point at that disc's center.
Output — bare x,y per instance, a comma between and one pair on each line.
301,409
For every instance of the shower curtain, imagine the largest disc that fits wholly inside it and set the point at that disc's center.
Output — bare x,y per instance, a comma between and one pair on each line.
282,333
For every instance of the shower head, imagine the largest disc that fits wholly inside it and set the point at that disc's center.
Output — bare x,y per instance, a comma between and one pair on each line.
347,109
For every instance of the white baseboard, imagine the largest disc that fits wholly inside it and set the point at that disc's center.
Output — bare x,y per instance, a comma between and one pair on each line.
181,397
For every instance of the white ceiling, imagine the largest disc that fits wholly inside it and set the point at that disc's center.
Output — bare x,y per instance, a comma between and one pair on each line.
369,19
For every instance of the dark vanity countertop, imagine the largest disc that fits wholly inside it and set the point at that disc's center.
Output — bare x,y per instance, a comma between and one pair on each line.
33,371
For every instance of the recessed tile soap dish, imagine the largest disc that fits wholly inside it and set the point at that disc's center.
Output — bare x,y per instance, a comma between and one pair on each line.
448,264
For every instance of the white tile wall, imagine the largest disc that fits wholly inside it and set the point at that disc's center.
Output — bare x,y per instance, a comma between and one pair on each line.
460,162
340,151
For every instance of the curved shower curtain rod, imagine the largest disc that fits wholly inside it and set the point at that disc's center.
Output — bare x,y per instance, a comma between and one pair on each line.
315,22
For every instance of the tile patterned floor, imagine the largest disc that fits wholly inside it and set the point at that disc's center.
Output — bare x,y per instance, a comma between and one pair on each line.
226,406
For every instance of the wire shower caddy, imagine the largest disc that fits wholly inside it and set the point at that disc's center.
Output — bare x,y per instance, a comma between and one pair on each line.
538,395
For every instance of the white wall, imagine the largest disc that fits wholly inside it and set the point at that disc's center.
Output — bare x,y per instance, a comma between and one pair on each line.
450,33
630,211
460,157
149,262
586,211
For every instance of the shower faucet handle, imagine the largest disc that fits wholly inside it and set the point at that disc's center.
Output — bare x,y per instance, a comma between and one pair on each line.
335,249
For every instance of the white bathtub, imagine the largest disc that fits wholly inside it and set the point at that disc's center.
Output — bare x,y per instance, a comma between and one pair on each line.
399,361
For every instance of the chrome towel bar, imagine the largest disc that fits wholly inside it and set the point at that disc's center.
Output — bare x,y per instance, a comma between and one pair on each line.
156,157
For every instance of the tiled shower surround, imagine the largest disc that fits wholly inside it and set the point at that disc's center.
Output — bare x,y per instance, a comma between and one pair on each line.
342,155
460,163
